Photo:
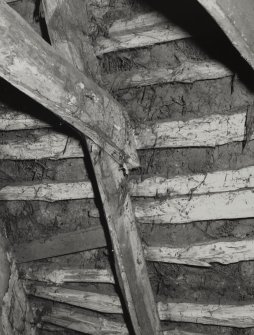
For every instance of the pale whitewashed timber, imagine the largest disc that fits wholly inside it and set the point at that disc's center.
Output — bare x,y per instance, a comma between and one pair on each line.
240,316
214,206
209,131
39,145
223,252
34,67
215,182
139,22
50,274
89,300
137,39
187,72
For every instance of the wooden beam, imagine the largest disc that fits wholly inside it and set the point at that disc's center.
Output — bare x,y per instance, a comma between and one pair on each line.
236,20
214,182
239,316
186,73
180,210
60,244
203,254
143,30
31,65
225,251
50,273
201,132
103,303
129,259
83,323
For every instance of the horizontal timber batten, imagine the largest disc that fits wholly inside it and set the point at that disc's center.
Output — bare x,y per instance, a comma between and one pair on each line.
186,73
198,254
240,316
201,132
144,30
197,184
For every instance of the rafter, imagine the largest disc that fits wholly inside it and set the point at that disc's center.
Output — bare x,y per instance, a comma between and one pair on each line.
30,64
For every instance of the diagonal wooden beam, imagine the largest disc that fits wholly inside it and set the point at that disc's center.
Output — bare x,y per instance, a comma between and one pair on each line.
65,20
34,67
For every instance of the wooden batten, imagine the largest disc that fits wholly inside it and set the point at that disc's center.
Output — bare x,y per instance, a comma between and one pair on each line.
143,30
240,316
103,303
215,182
60,244
186,73
34,67
52,274
201,132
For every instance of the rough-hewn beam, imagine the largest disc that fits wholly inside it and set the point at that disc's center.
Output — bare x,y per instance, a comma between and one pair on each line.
60,244
214,206
240,316
32,65
142,30
236,20
88,300
52,274
187,72
201,132
129,259
214,182
223,252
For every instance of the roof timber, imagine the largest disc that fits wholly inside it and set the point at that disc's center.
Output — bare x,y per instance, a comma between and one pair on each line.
31,65
129,260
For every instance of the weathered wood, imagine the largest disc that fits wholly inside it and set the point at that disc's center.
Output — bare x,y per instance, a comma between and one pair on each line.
129,259
87,324
240,316
215,182
52,274
187,72
179,210
209,131
223,252
236,20
32,65
143,30
60,244
89,300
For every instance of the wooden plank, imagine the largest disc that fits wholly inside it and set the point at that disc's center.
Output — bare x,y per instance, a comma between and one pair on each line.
31,65
180,210
51,273
60,244
186,73
201,132
240,316
83,323
143,30
236,20
129,259
103,303
223,252
214,182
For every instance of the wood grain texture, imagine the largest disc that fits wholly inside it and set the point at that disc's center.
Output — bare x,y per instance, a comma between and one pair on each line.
240,316
31,65
129,259
200,132
186,73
